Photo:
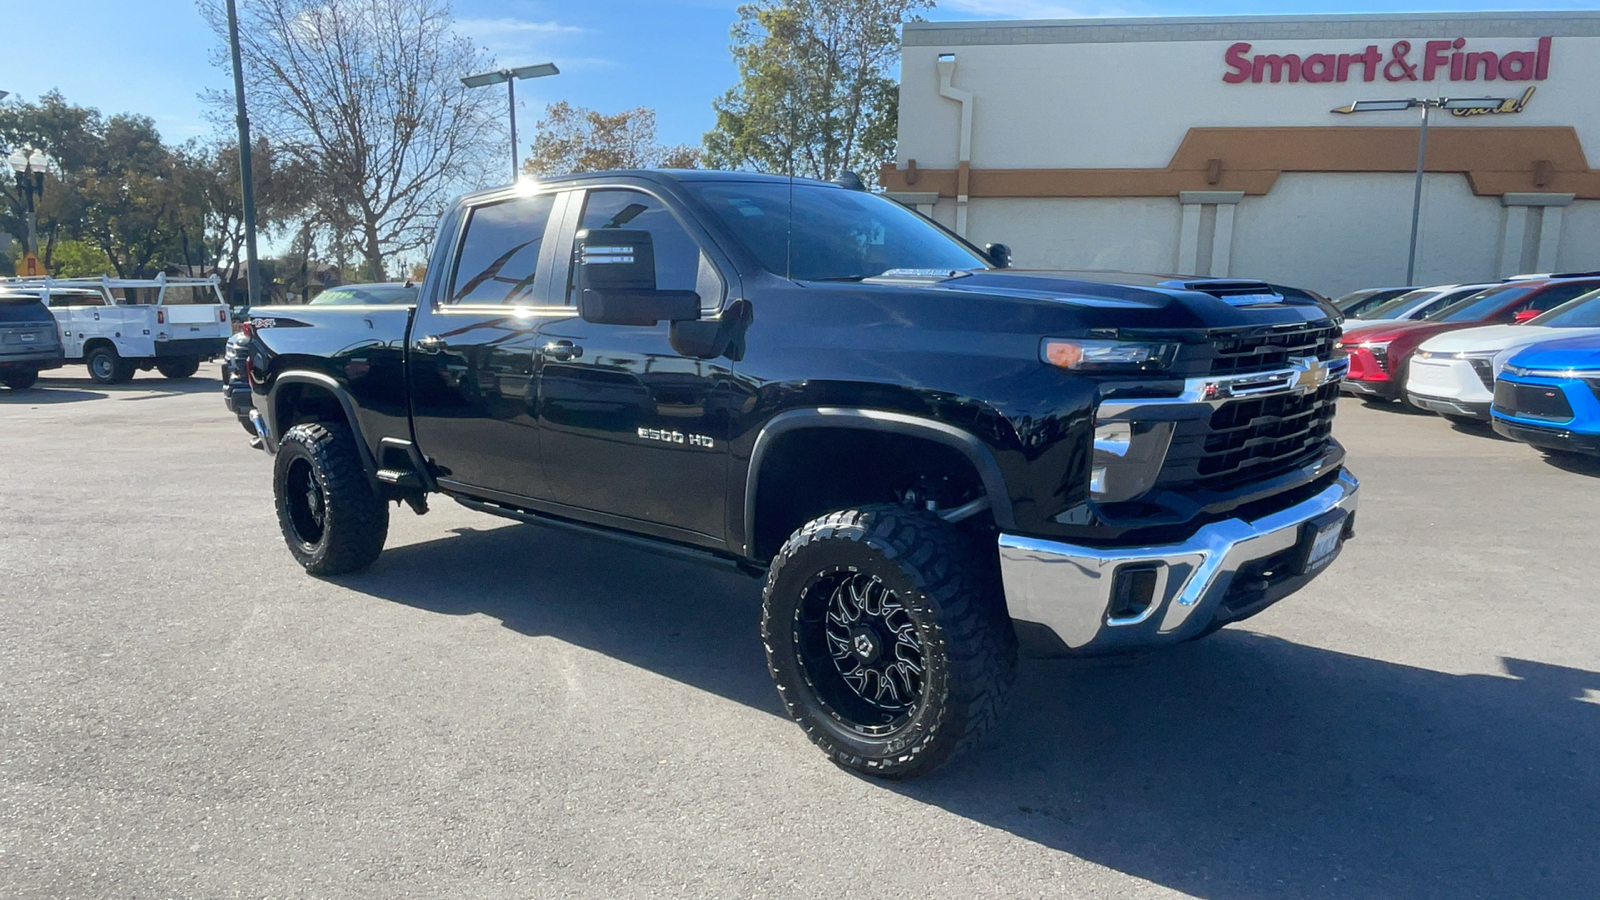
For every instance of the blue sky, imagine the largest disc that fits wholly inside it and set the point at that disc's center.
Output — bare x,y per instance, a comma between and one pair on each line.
154,56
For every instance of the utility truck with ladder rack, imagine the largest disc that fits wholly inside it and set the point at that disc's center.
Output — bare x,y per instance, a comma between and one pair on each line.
117,326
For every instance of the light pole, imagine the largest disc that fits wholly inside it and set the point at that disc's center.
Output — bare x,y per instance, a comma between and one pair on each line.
29,166
246,173
511,77
1427,105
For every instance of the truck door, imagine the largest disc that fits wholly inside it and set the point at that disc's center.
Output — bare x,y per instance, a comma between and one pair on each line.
473,345
630,427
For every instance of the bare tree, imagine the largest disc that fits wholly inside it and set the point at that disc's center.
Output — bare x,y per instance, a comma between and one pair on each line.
574,139
367,93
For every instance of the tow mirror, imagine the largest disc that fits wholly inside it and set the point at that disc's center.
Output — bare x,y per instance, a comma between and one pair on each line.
999,255
616,281
1524,316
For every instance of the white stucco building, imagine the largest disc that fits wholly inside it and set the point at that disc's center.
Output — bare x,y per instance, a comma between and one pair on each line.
1210,145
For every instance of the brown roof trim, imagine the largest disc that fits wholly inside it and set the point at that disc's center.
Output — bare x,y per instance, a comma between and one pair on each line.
1495,161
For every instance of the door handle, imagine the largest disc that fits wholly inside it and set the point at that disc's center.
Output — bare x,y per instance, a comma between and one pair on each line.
562,350
430,344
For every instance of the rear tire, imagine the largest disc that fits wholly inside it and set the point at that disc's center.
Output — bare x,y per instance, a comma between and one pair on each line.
332,519
888,640
178,366
106,367
20,380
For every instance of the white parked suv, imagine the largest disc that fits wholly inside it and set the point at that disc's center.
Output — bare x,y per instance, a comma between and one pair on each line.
116,326
1453,374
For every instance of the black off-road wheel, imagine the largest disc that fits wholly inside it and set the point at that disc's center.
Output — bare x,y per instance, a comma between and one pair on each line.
20,379
332,519
887,638
106,367
178,366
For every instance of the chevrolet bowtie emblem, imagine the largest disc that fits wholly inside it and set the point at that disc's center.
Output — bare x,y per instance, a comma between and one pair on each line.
1310,374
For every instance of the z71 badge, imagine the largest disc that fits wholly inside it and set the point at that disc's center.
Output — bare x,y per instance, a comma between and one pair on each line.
676,437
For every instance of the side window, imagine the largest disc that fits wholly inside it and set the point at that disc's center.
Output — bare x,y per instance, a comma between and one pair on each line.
499,254
1554,297
680,264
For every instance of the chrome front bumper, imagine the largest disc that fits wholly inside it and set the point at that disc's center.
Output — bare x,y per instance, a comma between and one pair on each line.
1067,589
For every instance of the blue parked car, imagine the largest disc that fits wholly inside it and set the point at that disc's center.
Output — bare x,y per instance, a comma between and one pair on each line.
1548,395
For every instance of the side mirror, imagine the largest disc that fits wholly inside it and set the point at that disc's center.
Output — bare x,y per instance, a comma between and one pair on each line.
999,255
616,281
1525,316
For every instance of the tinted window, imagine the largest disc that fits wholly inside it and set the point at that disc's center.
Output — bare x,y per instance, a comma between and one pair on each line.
838,234
23,309
367,294
1482,304
1584,312
500,252
76,298
1391,308
1550,298
678,262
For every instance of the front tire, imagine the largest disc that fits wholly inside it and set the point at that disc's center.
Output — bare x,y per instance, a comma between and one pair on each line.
20,380
332,519
887,639
178,367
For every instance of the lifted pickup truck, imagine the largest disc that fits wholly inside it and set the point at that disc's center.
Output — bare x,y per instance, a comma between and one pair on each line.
928,456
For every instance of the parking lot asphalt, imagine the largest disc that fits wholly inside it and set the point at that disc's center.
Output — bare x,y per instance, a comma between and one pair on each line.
500,710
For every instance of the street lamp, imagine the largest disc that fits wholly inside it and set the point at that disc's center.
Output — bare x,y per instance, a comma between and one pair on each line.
29,166
1426,104
510,77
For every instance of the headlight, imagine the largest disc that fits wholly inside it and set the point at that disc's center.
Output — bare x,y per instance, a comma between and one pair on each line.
1106,356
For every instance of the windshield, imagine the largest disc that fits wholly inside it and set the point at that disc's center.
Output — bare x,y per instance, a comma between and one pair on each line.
1398,305
841,235
366,295
1481,304
1583,312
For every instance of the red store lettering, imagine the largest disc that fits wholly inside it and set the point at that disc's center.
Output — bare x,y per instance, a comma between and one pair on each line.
1440,59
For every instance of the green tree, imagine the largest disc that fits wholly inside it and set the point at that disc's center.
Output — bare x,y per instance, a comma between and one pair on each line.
68,136
79,259
817,92
574,139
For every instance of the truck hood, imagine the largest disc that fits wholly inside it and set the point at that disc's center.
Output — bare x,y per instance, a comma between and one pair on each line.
1571,353
1124,299
1495,338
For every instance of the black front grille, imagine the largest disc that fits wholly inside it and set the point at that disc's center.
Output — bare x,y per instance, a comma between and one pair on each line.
1532,401
1262,349
1249,439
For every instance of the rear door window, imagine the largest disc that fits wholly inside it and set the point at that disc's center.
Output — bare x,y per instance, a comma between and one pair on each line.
500,250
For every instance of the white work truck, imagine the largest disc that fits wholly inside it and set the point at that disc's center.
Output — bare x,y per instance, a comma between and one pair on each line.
116,326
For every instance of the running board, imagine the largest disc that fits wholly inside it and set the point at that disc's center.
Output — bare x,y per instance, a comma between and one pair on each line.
660,548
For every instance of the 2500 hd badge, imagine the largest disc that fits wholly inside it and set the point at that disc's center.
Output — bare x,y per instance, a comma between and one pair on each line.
676,437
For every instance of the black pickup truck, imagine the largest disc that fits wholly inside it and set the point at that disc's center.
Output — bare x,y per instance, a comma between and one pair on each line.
931,458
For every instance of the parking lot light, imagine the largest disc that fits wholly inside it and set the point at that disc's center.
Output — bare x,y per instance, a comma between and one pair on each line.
1426,104
511,77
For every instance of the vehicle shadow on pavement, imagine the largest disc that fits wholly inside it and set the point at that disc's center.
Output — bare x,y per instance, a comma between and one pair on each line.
1246,766
690,622
145,388
1242,766
1577,463
44,394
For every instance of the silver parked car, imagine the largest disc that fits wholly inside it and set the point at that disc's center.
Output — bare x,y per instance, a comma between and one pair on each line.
29,343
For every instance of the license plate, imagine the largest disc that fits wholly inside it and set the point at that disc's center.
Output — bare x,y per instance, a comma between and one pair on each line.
29,338
1323,535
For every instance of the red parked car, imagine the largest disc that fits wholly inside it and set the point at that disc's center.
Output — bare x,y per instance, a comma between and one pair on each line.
1380,351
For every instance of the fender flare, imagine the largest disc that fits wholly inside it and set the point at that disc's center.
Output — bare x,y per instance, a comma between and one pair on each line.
965,442
329,384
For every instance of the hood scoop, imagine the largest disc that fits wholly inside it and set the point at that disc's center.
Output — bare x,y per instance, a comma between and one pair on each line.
1236,293
917,276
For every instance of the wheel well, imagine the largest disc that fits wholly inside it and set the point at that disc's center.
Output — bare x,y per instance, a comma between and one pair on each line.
811,471
94,344
298,403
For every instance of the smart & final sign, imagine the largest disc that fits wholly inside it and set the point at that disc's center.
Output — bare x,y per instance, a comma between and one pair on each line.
1450,60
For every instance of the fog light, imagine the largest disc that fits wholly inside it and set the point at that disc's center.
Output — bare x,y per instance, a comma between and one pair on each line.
1127,459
